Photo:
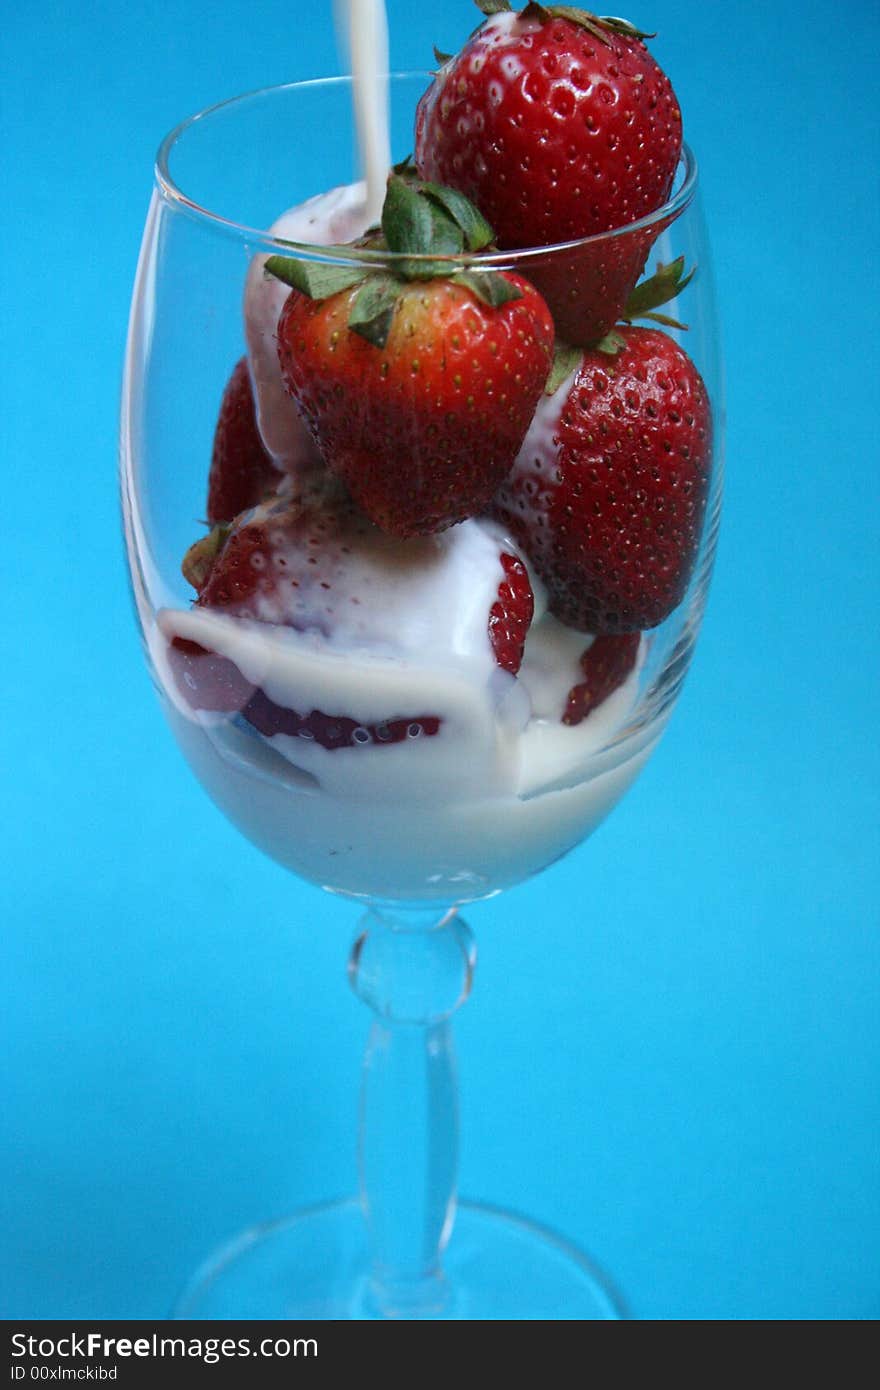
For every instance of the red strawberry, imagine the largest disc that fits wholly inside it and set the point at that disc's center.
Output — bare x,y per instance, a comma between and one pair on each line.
242,473
606,664
510,616
423,430
312,562
608,493
282,562
211,682
417,385
558,125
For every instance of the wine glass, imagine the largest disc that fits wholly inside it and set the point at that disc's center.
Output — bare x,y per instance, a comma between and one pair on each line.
416,847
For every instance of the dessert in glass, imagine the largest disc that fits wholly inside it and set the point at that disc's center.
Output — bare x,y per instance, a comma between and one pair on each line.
421,480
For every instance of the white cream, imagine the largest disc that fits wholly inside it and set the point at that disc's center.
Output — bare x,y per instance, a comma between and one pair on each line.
364,24
402,831
358,590
330,219
502,790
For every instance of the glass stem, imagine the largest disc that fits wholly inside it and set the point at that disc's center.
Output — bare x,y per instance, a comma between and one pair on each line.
414,971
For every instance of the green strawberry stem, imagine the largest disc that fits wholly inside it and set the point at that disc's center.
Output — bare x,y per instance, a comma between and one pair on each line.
597,25
424,225
665,284
373,308
314,278
611,344
474,227
489,287
418,226
565,359
199,560
421,218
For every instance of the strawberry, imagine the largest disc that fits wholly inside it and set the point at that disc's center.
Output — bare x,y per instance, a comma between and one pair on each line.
211,682
310,561
559,126
417,385
608,493
511,614
242,473
325,220
606,663
282,561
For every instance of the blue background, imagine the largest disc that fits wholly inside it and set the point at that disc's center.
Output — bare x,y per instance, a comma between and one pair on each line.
672,1050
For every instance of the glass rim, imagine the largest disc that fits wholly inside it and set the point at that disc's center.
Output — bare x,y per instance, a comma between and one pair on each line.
177,198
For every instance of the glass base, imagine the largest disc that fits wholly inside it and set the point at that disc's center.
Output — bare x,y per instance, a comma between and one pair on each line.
315,1265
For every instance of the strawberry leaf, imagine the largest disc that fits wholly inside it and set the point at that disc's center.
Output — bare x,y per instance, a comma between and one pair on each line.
313,278
373,308
668,281
441,57
199,559
490,286
611,344
406,218
624,28
666,321
598,26
534,11
476,230
565,360
582,18
418,226
414,225
490,7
